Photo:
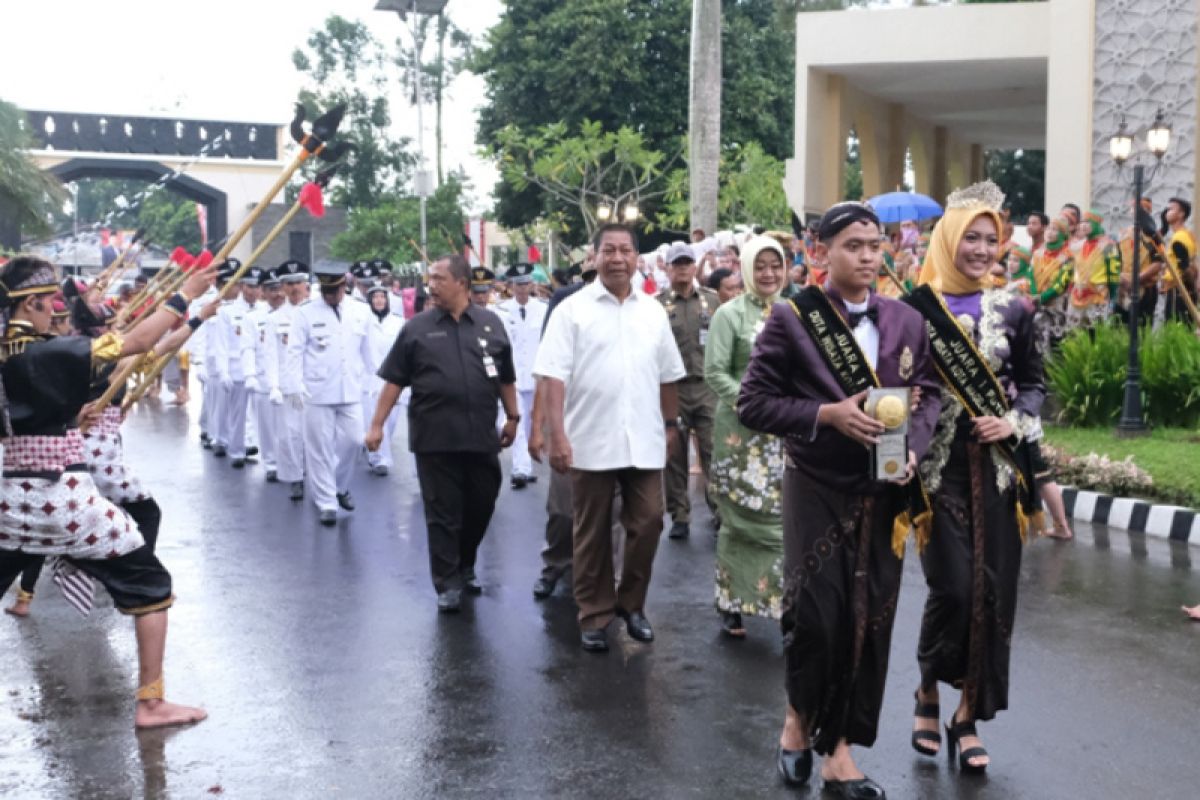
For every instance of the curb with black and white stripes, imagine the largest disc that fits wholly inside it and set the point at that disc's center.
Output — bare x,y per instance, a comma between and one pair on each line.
1168,522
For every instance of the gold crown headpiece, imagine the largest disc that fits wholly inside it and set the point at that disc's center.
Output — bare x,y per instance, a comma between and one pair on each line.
983,195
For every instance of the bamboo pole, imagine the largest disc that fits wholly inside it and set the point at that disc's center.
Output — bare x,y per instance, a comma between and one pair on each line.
160,363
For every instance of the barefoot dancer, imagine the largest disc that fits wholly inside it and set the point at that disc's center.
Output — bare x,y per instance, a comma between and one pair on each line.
843,532
49,504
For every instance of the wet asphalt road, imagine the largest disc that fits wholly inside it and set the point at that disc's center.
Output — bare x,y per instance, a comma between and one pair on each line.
328,673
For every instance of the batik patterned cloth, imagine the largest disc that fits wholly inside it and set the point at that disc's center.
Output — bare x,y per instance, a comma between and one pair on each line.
65,517
105,458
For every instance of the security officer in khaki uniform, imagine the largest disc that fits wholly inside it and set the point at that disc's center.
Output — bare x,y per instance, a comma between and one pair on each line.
690,308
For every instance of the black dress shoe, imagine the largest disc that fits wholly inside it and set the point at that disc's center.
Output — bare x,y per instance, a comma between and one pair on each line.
238,463
273,477
471,583
253,451
637,625
594,641
345,501
861,789
519,481
795,766
329,518
543,588
450,601
219,451
297,492
679,530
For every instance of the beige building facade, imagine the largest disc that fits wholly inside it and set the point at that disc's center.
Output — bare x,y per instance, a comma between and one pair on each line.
937,86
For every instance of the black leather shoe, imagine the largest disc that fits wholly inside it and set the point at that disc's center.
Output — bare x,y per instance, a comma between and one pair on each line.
450,601
795,766
594,641
297,492
329,517
238,463
637,625
346,501
253,451
519,481
679,530
543,588
862,789
273,477
219,450
471,583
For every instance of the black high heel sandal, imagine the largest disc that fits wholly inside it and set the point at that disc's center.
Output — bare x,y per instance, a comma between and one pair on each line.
955,731
919,738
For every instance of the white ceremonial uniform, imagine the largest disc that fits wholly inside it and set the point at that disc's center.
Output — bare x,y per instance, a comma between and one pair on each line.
523,323
327,355
215,365
260,398
233,352
381,335
196,351
288,419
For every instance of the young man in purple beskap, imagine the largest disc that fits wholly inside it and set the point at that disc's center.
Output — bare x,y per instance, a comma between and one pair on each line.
813,363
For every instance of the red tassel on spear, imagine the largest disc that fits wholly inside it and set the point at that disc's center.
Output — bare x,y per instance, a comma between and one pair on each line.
312,200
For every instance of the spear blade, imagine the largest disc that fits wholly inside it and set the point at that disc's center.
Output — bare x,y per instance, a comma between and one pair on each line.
325,126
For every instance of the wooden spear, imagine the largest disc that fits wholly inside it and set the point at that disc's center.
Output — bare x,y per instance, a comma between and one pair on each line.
305,200
313,142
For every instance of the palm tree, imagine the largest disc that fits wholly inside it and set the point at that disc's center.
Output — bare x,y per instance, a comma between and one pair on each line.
704,113
28,196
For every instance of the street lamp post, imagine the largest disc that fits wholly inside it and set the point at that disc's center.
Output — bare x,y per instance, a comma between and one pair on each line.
1158,139
424,179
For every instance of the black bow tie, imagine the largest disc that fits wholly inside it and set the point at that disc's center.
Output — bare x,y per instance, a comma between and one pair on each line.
872,313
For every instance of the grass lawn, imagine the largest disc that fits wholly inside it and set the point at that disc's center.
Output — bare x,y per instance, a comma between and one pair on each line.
1170,455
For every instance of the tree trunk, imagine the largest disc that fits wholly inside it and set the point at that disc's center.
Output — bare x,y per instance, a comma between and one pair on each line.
704,113
441,79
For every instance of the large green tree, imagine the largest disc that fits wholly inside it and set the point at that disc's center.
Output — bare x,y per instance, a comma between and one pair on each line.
28,197
1022,176
343,63
390,228
170,220
625,64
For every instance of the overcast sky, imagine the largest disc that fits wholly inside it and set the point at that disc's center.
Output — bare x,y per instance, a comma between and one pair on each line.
224,60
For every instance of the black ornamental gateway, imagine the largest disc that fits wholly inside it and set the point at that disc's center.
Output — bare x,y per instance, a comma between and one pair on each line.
225,165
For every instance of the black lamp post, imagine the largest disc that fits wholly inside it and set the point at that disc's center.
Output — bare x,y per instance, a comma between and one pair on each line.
1158,139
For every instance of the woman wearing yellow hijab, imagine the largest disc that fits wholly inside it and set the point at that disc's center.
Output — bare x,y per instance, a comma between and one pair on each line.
972,473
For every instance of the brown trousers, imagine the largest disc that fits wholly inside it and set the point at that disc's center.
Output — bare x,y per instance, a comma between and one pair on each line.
698,408
597,593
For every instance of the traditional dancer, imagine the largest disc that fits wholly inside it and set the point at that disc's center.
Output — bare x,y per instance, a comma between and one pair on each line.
50,503
1181,254
1053,267
844,532
1097,275
977,471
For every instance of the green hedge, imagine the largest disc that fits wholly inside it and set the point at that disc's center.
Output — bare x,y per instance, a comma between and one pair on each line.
1087,376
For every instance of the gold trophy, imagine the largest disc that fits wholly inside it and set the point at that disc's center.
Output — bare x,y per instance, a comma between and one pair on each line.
889,458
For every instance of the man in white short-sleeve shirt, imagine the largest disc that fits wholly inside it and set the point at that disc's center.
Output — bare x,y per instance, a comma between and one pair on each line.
610,366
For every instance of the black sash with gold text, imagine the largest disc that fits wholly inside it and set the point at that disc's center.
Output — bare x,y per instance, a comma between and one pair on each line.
848,363
966,373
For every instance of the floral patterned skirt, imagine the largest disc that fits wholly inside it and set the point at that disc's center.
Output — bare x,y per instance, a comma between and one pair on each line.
749,561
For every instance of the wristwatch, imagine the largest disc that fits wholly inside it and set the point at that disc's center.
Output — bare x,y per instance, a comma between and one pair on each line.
673,423
512,417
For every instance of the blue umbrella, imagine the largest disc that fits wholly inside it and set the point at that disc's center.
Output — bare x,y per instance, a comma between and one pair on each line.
901,206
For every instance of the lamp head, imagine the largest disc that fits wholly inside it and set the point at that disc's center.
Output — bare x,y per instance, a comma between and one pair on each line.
1120,146
1158,138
